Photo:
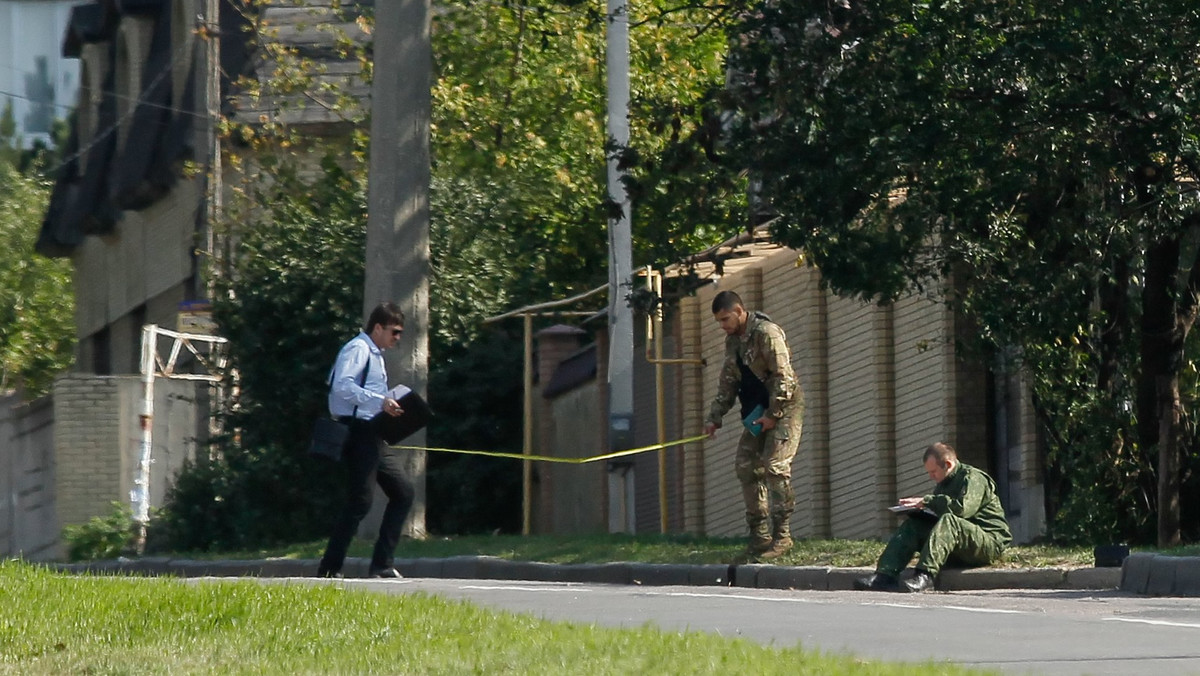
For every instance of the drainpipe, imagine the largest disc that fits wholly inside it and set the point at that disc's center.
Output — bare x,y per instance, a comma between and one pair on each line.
527,446
140,495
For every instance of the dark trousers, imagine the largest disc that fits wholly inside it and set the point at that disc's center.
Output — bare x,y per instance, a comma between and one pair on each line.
369,460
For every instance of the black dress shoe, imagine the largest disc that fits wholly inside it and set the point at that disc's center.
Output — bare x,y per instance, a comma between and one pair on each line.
384,572
921,582
877,582
321,572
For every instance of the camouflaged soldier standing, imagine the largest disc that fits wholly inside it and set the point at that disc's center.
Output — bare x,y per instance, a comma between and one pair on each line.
758,373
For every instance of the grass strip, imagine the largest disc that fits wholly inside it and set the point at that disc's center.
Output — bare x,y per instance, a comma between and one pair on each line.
56,623
645,549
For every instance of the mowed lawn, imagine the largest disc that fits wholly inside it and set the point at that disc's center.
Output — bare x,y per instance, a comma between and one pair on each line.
674,548
56,623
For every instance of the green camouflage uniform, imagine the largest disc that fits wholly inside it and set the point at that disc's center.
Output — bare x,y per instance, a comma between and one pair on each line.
764,462
970,529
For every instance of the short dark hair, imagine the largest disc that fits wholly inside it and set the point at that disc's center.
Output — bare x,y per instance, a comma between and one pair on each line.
943,453
385,314
726,301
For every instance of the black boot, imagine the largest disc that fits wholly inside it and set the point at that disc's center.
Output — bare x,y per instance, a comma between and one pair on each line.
322,571
921,582
877,582
383,572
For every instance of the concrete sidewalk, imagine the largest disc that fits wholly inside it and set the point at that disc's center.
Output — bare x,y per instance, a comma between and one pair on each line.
760,576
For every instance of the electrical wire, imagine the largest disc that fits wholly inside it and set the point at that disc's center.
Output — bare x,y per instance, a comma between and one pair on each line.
137,102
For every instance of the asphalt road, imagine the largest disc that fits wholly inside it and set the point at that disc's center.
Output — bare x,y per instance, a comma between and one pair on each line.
1019,632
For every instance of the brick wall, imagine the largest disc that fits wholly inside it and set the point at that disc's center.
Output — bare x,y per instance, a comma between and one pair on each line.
925,389
861,417
555,435
1022,491
578,494
645,425
97,440
880,384
692,332
88,440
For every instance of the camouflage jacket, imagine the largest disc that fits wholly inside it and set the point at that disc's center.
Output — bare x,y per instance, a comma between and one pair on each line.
763,348
971,494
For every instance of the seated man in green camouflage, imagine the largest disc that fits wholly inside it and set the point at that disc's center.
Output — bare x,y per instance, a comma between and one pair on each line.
961,521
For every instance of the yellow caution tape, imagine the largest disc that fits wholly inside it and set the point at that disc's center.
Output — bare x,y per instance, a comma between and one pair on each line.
546,458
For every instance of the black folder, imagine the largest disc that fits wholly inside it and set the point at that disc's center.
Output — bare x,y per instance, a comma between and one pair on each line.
395,428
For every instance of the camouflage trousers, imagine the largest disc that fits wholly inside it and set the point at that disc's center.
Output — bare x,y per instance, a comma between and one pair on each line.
764,467
950,539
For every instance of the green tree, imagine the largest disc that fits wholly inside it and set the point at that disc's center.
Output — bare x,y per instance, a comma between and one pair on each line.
37,310
1042,157
290,301
519,102
10,145
518,216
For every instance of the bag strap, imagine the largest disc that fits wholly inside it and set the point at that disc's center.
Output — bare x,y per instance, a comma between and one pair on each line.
362,380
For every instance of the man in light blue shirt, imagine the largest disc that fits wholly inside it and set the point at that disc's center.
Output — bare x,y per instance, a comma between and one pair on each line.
357,393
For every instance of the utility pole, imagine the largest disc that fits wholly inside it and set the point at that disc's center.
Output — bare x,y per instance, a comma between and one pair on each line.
620,272
398,192
212,105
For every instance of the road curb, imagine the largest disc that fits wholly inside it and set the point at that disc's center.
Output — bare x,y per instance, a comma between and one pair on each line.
1142,574
1157,575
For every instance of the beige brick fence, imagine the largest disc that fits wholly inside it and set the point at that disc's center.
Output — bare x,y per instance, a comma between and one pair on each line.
67,457
27,520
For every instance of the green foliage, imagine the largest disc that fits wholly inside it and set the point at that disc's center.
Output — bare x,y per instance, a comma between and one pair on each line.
37,310
477,394
519,194
1040,156
248,496
102,537
9,143
518,216
519,102
1099,488
291,299
474,274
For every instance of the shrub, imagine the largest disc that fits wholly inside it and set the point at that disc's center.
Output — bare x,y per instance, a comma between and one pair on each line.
102,537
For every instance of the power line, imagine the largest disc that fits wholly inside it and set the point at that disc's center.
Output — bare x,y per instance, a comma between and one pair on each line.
35,101
137,102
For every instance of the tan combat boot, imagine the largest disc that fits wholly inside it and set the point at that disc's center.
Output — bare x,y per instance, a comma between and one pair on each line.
781,539
760,536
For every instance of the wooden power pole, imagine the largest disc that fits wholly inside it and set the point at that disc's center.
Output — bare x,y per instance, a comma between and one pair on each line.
398,222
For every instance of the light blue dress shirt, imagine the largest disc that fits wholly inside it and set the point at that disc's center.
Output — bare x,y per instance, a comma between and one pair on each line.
345,393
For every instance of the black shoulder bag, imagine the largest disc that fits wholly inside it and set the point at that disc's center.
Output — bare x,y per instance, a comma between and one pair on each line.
329,435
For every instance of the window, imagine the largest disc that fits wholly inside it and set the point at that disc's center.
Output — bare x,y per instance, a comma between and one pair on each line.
133,45
137,319
91,92
102,352
183,47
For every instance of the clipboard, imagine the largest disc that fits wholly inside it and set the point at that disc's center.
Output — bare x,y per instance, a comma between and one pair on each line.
395,428
748,421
